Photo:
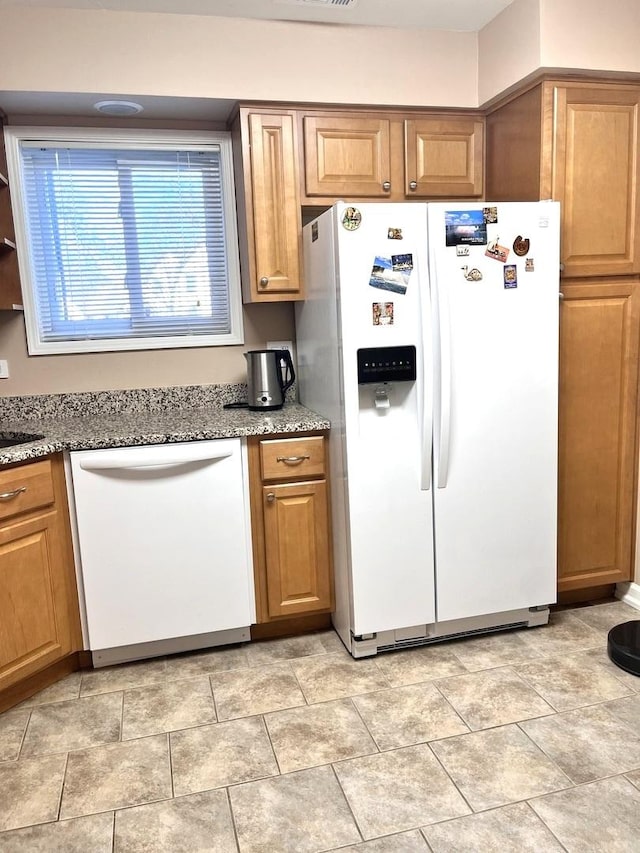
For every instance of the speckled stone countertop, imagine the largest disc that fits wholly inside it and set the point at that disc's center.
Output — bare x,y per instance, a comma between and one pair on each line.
86,421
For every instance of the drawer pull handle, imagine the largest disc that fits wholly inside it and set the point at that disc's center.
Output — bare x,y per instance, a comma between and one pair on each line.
292,460
9,496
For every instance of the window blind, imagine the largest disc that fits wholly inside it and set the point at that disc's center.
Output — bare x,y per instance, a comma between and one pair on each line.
125,242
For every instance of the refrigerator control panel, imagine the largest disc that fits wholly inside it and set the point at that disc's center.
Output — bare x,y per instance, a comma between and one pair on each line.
386,364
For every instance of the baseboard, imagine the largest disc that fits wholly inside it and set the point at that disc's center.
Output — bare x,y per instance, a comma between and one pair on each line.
629,593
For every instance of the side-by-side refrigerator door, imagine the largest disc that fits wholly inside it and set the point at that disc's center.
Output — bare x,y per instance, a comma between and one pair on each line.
495,277
383,299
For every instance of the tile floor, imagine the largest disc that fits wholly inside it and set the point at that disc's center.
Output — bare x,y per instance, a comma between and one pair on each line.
524,741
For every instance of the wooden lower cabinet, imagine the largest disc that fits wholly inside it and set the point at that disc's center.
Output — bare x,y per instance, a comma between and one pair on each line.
290,526
599,345
39,615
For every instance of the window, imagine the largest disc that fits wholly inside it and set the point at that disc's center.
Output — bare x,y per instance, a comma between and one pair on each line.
126,240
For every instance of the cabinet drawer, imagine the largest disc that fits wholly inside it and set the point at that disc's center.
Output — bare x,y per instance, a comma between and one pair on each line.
25,488
287,458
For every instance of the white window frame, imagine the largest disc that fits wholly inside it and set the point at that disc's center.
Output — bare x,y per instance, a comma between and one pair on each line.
140,139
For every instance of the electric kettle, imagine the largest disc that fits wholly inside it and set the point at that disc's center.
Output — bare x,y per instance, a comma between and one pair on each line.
269,374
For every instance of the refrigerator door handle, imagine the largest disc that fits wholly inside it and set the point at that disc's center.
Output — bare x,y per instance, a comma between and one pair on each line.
442,337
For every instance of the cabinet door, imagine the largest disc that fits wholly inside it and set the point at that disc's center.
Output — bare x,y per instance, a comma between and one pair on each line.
598,395
297,548
347,157
594,176
34,620
443,158
277,222
10,291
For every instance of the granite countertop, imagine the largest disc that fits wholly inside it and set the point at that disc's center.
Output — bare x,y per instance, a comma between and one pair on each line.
93,420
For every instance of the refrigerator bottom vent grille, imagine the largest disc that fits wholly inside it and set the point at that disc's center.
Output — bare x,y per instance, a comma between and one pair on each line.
424,641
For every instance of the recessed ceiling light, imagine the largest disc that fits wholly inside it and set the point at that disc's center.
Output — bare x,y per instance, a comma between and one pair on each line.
118,108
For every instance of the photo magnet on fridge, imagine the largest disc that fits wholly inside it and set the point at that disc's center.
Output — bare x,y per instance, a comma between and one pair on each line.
382,313
351,218
465,227
510,276
497,252
490,215
528,265
391,273
394,233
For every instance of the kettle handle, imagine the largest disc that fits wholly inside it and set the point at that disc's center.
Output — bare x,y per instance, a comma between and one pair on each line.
290,376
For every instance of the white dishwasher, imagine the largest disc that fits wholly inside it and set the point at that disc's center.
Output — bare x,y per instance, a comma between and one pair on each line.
163,535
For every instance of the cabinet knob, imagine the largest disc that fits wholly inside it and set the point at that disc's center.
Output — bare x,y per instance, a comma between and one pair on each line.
386,186
271,497
413,186
264,281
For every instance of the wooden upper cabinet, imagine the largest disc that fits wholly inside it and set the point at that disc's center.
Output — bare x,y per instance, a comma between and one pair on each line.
593,173
599,344
268,202
347,157
443,157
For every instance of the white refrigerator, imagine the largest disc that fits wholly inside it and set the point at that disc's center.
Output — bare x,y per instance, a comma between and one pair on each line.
429,338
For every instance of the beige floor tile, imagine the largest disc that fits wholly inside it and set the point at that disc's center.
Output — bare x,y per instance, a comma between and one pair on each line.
74,724
602,816
634,777
66,688
587,744
511,829
498,766
627,710
243,694
289,648
123,676
572,681
200,823
404,716
604,617
167,707
115,776
222,754
318,734
500,649
301,812
337,676
565,634
30,790
398,790
403,842
13,725
493,698
331,642
627,678
223,659
412,666
92,834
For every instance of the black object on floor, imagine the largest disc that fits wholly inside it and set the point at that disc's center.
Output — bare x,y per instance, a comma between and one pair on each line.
623,646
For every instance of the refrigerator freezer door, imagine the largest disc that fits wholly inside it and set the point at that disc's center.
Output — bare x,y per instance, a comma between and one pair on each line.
495,507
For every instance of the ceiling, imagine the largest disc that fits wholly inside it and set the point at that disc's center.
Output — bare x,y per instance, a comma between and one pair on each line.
465,15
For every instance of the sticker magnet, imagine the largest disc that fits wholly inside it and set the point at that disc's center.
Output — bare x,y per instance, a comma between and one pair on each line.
314,232
462,251
490,215
394,233
528,265
496,251
351,218
465,227
472,275
510,276
521,246
382,313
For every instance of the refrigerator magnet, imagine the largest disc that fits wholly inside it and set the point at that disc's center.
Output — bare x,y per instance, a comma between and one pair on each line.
462,251
351,218
490,215
394,233
465,227
528,265
497,252
510,276
386,276
382,313
472,275
521,246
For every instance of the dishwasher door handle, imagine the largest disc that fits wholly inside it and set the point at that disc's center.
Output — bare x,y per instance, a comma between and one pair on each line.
143,462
